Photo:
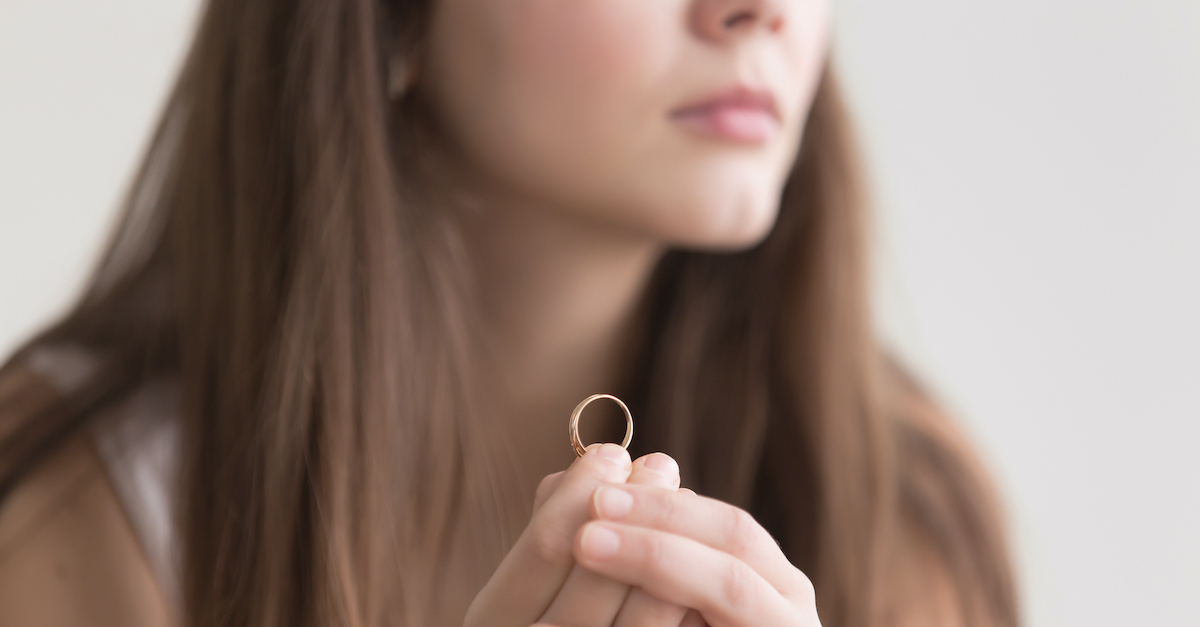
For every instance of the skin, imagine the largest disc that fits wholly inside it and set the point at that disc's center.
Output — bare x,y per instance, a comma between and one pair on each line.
556,115
68,554
640,552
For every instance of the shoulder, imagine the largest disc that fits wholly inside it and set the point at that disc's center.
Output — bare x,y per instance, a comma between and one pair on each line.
68,554
950,543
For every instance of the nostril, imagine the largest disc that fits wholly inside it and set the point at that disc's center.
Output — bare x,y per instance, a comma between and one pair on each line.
738,19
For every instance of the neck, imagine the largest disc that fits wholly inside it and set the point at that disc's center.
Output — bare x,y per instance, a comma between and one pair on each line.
558,298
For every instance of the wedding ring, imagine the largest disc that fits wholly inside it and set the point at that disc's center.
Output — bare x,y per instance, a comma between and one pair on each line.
573,428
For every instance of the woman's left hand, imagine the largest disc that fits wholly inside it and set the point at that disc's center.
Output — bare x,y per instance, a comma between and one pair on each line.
695,552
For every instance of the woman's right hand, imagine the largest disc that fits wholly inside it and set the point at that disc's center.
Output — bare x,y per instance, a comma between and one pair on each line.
539,581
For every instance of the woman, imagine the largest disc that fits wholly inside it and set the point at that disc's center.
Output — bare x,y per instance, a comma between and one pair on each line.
377,252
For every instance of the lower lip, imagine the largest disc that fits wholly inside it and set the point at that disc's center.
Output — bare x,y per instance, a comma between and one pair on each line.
747,125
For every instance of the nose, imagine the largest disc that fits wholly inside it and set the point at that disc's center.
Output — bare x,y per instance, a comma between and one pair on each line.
721,21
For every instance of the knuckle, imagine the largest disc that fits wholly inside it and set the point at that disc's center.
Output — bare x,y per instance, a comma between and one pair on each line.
547,546
543,488
654,555
805,591
740,588
741,530
663,507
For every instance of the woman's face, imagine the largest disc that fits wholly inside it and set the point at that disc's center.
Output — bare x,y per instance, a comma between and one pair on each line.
676,120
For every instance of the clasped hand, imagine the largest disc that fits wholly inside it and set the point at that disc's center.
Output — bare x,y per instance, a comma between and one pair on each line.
617,543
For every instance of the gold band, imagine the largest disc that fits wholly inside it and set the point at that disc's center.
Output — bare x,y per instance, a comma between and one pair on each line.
573,428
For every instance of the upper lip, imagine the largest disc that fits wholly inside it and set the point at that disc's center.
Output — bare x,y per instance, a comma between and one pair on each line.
736,96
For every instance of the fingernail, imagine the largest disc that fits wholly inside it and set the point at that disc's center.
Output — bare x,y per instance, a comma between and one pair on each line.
614,453
613,503
662,464
599,542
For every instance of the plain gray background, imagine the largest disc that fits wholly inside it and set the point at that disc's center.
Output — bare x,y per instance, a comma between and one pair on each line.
1036,165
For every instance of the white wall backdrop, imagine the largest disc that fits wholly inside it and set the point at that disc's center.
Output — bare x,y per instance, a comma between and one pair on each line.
80,87
1037,170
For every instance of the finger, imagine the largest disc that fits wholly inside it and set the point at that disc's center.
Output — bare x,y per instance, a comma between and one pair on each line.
590,600
642,610
587,599
655,469
647,470
533,571
679,570
713,523
545,488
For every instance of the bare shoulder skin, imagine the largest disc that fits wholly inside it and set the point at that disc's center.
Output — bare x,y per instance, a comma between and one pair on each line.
68,555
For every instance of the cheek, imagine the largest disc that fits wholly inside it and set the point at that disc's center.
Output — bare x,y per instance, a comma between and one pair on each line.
551,92
583,46
590,78
808,50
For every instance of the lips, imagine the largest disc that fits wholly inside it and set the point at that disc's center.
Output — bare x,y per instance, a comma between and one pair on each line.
740,114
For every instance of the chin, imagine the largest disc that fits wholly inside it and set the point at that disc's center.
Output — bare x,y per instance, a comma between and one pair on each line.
723,220
726,204
745,234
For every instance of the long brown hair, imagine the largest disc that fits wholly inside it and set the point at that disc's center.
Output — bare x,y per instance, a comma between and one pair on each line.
276,258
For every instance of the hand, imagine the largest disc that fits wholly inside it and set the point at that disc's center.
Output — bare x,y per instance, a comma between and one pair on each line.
695,552
539,580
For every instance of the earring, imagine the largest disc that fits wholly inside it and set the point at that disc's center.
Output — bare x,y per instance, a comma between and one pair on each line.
402,75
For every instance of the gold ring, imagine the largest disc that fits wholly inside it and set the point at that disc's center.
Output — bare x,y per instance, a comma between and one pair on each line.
573,428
